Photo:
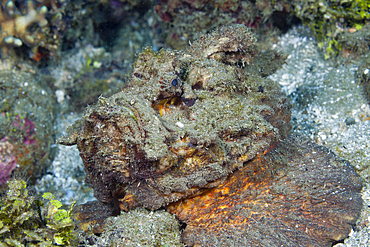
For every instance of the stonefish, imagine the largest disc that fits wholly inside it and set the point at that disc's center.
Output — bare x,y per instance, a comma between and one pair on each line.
203,133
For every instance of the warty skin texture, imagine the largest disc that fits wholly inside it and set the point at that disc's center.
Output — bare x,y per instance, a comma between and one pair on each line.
196,131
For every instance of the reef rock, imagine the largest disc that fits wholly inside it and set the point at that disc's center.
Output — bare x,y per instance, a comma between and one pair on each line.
29,24
26,124
191,122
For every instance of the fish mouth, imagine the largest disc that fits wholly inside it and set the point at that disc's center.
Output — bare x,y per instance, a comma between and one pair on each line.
164,106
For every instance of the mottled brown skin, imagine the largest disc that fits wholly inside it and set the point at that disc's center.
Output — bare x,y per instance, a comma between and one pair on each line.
183,123
299,194
225,46
193,128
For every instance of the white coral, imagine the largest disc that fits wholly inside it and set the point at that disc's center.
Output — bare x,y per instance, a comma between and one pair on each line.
15,27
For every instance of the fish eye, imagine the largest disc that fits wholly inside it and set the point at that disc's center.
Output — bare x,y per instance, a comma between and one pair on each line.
175,82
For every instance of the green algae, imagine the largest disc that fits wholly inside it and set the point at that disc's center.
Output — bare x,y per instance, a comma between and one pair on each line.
27,221
327,18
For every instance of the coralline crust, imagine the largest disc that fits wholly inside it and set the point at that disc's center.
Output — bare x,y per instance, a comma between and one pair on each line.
299,194
183,123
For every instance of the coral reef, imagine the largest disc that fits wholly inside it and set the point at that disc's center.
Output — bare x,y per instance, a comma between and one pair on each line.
97,22
84,74
182,20
25,220
194,130
64,178
25,24
26,122
328,18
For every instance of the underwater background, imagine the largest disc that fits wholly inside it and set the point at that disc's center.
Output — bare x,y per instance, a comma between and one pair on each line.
62,58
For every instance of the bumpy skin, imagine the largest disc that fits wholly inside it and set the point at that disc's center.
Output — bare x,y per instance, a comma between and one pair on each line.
225,46
299,194
184,122
196,132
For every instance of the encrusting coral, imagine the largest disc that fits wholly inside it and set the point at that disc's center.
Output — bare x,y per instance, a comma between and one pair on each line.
26,25
200,132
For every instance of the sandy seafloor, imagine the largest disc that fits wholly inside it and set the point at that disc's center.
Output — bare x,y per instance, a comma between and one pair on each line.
328,106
